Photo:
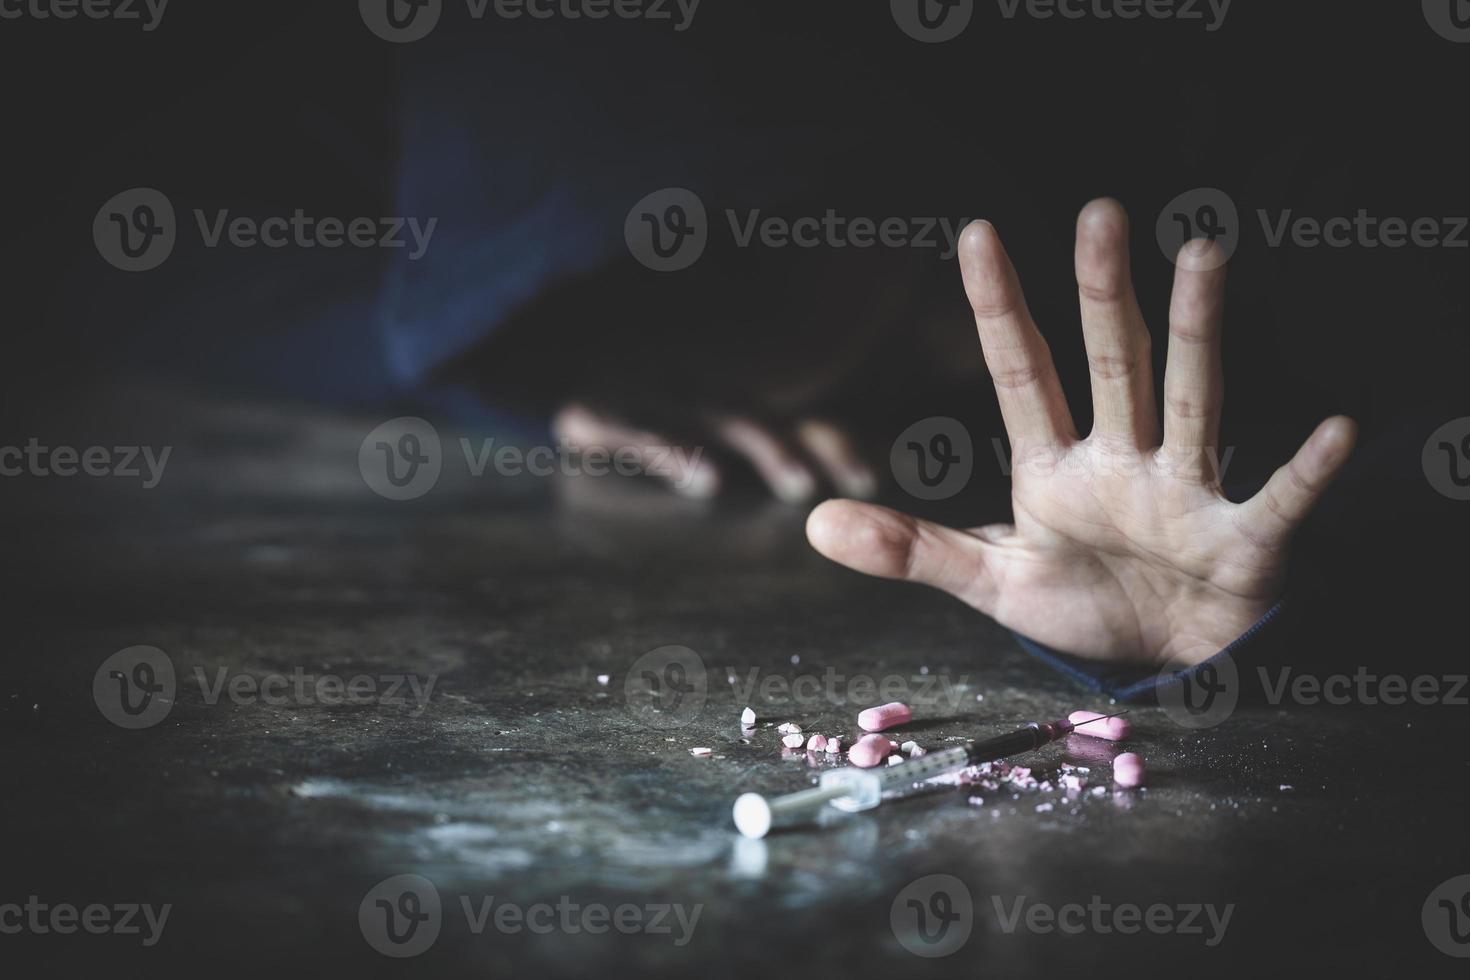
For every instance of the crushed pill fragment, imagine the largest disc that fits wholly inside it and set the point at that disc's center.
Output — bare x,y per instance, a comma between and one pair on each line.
817,743
788,728
912,749
793,740
747,717
884,716
1113,729
834,745
1128,770
1044,808
603,679
895,760
869,750
700,751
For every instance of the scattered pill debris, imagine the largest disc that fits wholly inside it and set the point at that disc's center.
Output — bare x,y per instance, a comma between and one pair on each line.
700,751
912,749
869,750
1113,729
895,760
788,728
884,716
1044,807
793,740
1128,770
603,679
747,717
834,745
817,743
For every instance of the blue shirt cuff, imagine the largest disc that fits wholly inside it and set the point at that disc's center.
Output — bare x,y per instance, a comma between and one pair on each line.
1129,682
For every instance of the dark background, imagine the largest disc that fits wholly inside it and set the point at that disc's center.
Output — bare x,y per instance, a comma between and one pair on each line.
262,108
1322,108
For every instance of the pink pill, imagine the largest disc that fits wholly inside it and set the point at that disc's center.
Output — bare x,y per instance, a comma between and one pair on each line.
1128,770
884,716
1113,729
817,743
869,751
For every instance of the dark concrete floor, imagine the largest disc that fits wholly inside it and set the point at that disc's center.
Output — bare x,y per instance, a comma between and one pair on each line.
523,778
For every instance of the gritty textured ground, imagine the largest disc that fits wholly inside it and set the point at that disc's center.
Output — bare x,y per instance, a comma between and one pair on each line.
523,778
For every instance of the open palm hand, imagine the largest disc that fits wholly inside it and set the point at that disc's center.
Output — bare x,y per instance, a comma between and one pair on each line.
1123,546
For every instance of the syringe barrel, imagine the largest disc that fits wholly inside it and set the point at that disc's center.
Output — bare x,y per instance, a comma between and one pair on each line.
1033,736
861,789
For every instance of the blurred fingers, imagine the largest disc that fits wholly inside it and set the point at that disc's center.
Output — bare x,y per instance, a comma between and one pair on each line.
777,463
683,469
838,457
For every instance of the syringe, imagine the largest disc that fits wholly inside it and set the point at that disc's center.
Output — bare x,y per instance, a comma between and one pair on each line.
853,789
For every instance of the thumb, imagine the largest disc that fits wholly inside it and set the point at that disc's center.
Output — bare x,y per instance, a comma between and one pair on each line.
878,541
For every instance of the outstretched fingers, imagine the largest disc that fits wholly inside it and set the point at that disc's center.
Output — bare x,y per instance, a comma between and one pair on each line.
1194,386
1118,347
1026,383
1274,513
